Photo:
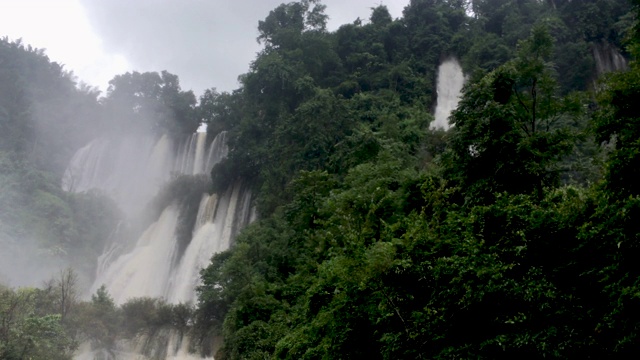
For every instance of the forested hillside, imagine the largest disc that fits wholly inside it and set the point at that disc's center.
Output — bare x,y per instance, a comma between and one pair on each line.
50,238
44,118
512,234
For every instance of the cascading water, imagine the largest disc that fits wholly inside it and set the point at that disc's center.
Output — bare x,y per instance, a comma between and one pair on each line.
218,149
608,58
143,271
449,88
190,159
216,220
132,171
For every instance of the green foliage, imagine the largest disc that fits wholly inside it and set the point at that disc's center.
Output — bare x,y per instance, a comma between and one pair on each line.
220,111
148,315
45,116
104,324
378,238
50,322
35,211
151,102
98,320
287,21
368,248
185,192
507,135
618,123
612,231
35,324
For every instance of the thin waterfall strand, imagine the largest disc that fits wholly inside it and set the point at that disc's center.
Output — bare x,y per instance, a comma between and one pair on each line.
450,83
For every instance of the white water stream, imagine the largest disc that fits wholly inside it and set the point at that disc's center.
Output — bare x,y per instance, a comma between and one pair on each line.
131,171
449,88
608,58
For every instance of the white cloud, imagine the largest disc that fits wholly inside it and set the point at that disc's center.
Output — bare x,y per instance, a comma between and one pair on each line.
207,43
62,28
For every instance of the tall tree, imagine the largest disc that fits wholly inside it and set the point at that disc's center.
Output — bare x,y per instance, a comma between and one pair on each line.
506,135
151,101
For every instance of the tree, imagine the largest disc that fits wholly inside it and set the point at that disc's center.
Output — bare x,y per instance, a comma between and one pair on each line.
619,122
28,333
612,231
99,320
220,111
380,16
366,249
285,23
151,102
507,135
66,285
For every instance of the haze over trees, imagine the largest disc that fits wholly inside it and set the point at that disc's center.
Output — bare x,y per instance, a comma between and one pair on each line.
513,234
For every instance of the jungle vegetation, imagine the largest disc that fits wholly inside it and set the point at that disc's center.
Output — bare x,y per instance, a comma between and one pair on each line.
512,234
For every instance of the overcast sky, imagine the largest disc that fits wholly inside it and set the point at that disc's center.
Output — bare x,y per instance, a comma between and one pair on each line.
207,43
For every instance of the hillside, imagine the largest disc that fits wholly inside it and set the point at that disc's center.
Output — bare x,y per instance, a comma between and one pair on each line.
512,233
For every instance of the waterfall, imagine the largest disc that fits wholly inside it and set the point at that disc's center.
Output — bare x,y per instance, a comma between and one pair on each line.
143,271
216,220
217,151
190,159
198,166
449,89
169,345
132,171
608,58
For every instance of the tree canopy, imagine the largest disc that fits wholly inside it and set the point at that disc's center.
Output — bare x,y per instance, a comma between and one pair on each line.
513,234
378,238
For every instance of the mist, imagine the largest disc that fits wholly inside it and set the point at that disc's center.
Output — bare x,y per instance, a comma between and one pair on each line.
23,263
324,209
